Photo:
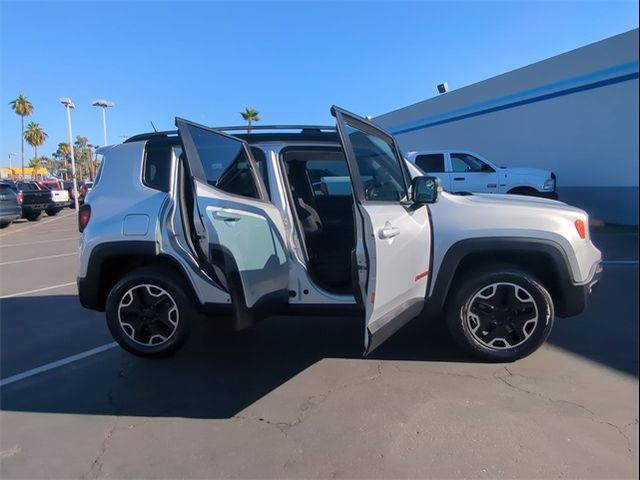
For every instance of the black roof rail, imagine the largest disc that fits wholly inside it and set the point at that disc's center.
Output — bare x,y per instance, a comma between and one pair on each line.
304,128
310,129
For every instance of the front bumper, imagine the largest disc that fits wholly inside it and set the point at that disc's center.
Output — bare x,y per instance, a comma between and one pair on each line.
549,195
575,297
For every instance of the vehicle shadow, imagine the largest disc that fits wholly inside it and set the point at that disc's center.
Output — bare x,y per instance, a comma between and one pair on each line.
218,374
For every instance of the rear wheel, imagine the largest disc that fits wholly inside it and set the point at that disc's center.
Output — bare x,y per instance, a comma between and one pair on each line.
500,315
52,212
148,313
33,216
5,224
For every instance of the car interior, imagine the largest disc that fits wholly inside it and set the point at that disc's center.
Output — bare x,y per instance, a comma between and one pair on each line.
320,190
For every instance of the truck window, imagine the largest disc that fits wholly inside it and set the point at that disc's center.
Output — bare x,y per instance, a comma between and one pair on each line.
463,162
431,162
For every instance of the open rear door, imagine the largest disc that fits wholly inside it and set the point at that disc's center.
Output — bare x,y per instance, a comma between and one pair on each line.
238,233
393,236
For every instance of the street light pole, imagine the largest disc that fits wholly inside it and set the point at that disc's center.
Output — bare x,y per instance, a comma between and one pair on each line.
11,154
104,104
69,105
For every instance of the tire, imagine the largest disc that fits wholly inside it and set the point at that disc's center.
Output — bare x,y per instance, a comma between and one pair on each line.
149,313
528,191
500,314
34,216
52,212
5,224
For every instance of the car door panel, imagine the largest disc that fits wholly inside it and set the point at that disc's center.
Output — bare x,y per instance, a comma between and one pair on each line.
238,235
471,181
393,237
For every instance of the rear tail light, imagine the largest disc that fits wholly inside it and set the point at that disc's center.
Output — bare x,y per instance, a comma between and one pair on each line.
324,189
19,198
84,215
582,231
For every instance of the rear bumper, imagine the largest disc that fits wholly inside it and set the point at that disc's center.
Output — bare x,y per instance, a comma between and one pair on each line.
575,297
10,216
35,207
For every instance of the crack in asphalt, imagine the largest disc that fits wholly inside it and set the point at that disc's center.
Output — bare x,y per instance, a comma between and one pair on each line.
592,416
96,466
309,403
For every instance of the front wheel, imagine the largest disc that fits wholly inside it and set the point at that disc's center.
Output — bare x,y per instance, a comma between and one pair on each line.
148,313
500,315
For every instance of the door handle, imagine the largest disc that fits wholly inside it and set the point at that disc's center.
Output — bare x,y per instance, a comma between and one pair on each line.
457,179
388,232
226,216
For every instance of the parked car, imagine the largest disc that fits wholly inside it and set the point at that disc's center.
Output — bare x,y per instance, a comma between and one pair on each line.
202,222
10,209
33,199
86,188
59,196
68,186
468,172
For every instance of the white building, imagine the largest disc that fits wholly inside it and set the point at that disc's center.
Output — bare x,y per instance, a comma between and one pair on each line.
575,114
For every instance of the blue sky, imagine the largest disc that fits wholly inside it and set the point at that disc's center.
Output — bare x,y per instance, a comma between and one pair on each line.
206,61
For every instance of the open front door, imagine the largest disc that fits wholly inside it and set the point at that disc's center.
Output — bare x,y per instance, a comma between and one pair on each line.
393,236
237,233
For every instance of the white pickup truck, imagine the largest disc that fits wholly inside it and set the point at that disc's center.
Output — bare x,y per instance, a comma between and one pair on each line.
467,172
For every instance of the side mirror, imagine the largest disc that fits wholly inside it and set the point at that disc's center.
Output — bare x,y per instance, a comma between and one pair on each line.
425,189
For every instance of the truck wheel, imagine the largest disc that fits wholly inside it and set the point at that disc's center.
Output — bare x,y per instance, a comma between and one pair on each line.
500,315
528,191
6,224
52,212
148,313
34,216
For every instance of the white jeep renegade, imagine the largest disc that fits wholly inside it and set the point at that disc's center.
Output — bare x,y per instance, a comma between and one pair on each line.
199,222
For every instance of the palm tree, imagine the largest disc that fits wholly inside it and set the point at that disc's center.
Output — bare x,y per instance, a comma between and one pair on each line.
24,108
63,152
250,114
35,164
35,136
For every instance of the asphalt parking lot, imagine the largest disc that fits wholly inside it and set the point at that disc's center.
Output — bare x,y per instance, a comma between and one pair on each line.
294,397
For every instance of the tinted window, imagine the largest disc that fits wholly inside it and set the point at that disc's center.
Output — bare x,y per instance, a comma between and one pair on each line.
224,162
463,162
431,162
4,187
380,168
157,166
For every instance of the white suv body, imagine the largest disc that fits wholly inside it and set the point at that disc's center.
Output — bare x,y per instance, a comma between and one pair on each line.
205,223
463,171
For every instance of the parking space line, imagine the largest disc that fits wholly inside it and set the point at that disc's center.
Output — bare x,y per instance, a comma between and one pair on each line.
32,226
35,259
620,262
44,289
26,244
58,363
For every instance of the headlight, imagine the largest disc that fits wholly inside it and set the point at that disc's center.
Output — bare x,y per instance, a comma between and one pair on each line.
549,184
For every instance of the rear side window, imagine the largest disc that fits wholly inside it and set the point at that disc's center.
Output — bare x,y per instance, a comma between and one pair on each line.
157,165
431,162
